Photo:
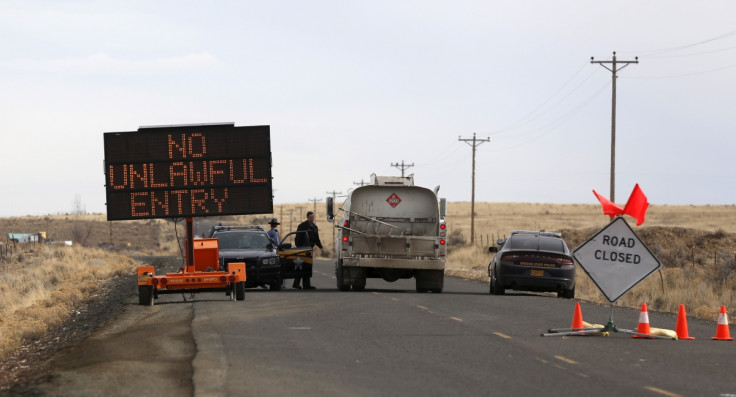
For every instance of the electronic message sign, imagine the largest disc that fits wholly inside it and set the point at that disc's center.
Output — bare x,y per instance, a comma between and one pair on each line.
188,171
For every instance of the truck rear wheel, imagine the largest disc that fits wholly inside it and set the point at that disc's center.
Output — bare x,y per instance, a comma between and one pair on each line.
145,295
342,285
359,284
430,280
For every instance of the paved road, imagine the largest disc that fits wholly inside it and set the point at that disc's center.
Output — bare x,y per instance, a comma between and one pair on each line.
392,341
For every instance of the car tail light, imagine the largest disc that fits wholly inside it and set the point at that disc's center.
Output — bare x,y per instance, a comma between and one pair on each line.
510,257
565,261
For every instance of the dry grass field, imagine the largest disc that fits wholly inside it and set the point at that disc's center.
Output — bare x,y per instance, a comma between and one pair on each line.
41,284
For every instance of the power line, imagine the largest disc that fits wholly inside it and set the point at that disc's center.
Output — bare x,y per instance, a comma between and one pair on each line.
614,69
475,144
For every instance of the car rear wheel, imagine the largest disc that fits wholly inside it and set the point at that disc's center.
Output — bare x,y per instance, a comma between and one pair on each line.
566,293
496,288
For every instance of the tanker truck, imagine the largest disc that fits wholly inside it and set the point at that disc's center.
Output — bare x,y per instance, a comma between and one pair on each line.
390,229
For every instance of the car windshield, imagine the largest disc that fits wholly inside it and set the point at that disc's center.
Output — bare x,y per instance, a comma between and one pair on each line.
537,243
231,241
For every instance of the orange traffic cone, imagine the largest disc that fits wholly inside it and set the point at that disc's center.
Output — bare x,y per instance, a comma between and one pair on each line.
643,323
577,318
722,332
681,327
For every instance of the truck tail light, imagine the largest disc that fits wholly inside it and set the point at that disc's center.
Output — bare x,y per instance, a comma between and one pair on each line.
232,278
164,281
442,242
346,223
154,281
223,279
345,239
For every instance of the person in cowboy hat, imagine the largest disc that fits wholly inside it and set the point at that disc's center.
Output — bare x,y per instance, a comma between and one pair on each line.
273,233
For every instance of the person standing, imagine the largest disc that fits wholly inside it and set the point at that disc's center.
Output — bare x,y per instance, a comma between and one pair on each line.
309,236
273,233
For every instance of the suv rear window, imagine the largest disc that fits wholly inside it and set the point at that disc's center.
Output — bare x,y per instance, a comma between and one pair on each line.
247,240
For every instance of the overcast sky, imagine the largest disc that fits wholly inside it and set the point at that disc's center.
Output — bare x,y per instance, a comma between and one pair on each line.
351,87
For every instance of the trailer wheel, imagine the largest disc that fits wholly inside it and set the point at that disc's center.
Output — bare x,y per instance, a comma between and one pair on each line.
240,291
145,295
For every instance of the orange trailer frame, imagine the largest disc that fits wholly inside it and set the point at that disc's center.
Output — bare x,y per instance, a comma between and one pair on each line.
199,275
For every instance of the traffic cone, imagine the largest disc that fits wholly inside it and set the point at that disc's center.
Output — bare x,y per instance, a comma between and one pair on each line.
722,332
643,327
681,327
577,318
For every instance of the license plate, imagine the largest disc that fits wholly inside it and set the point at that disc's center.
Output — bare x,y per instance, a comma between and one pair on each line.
350,262
537,273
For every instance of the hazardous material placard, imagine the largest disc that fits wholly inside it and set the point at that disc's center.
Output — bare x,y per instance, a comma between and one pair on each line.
616,259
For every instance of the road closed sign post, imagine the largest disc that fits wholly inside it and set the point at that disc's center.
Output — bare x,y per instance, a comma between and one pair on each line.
615,259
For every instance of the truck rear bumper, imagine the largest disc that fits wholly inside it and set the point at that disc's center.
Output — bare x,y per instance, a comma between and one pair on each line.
395,263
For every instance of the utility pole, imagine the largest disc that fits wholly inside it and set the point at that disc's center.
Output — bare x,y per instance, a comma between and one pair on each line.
300,208
291,217
314,201
475,144
402,166
361,183
614,69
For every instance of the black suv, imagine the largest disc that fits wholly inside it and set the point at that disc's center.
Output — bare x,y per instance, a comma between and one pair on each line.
532,261
250,244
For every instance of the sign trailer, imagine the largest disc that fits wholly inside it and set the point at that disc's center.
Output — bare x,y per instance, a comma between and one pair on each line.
183,171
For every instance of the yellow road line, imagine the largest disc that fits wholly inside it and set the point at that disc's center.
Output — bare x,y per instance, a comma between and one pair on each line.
457,319
422,307
565,359
502,335
662,392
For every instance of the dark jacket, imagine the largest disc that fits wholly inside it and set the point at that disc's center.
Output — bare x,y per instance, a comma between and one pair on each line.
310,238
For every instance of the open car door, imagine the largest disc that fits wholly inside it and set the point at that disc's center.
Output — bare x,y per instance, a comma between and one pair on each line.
295,261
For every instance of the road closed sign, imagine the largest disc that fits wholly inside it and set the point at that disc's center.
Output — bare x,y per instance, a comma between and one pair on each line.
615,259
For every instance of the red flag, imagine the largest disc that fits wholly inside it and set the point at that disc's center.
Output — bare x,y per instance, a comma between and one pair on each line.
609,208
637,205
